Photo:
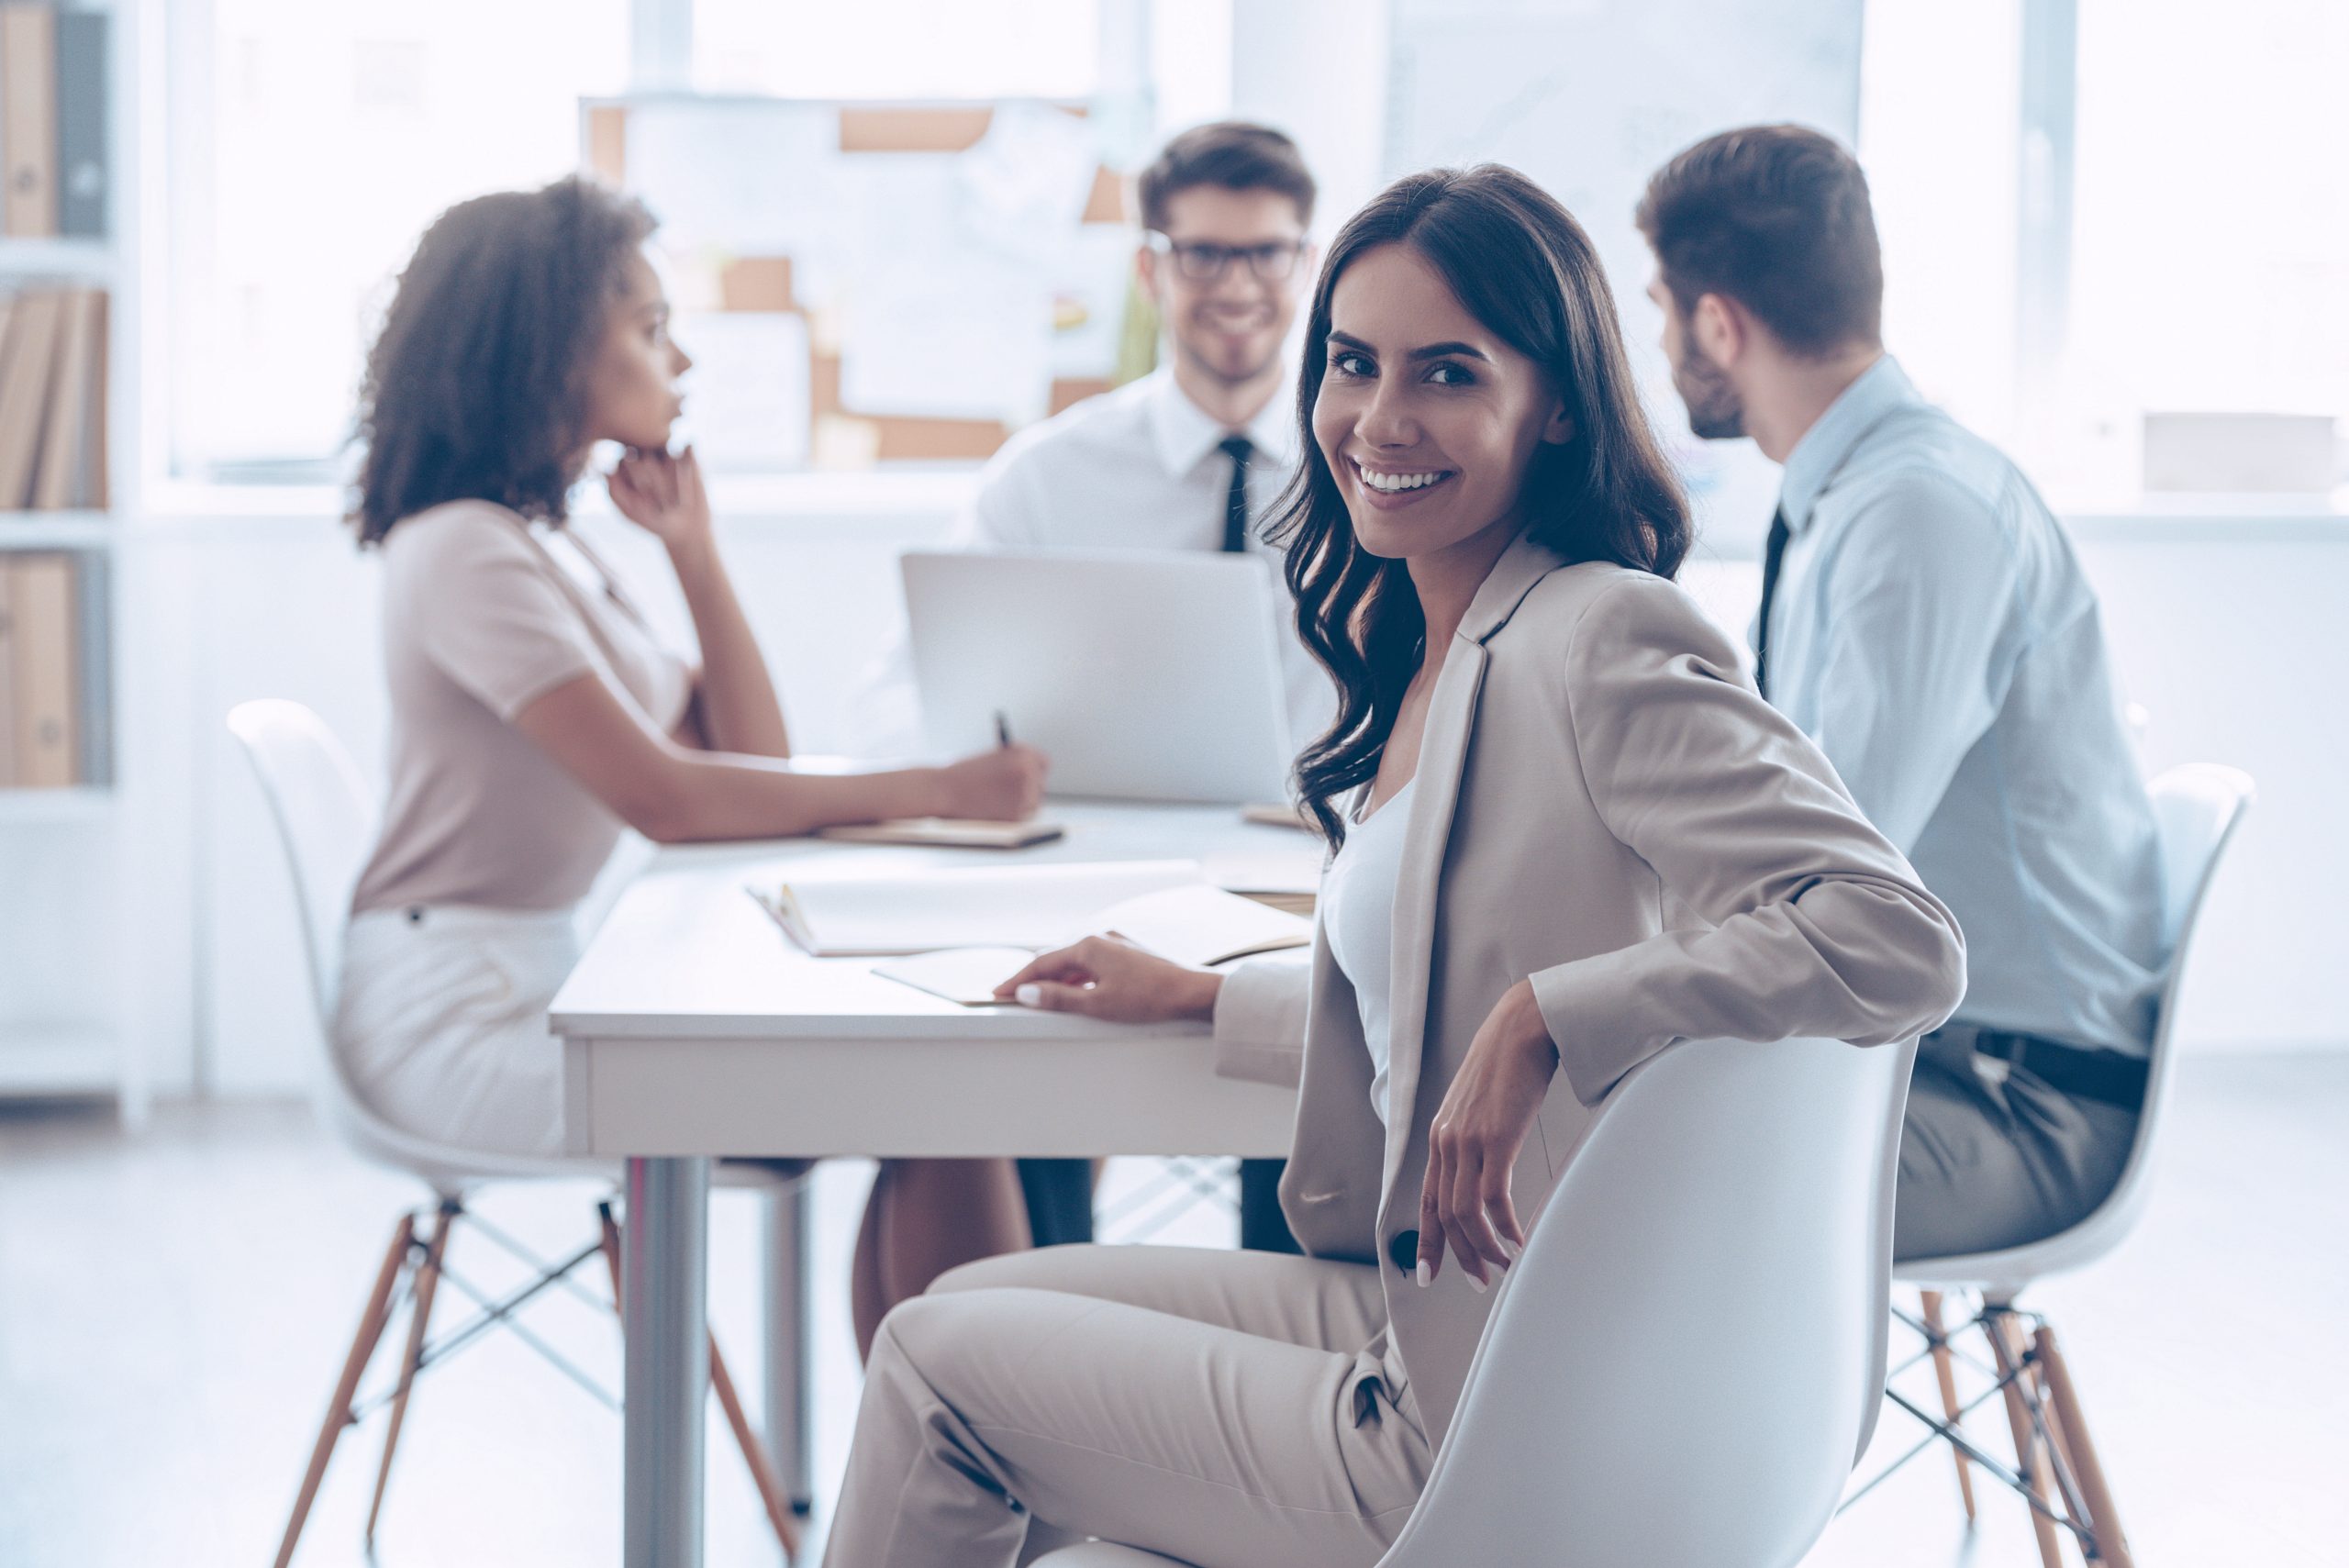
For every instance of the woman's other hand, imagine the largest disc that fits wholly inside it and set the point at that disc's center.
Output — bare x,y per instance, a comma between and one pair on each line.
664,496
1102,977
1005,784
1474,1141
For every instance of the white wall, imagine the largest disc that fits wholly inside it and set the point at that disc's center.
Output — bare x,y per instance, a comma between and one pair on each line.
2221,630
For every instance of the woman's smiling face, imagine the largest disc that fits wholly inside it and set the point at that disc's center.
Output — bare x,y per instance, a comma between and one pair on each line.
1427,420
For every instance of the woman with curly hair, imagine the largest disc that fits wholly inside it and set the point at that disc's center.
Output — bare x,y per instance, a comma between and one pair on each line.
535,712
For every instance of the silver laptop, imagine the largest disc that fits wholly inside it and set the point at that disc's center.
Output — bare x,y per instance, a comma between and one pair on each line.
1143,674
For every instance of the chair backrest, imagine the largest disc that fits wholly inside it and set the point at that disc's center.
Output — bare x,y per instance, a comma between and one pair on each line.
327,820
2196,808
325,817
1688,1359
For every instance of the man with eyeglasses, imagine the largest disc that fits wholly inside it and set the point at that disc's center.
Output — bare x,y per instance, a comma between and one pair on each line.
1189,456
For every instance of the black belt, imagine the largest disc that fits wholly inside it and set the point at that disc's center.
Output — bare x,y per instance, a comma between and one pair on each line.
2105,1075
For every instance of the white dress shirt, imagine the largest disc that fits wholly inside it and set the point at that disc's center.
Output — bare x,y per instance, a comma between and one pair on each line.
1138,468
1932,632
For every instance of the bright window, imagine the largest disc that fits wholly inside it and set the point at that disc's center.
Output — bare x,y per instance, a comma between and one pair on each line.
328,136
898,49
2210,249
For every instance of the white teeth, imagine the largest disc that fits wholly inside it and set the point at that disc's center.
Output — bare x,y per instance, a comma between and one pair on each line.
1392,483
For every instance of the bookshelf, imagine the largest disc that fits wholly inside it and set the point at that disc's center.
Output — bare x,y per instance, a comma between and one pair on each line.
68,212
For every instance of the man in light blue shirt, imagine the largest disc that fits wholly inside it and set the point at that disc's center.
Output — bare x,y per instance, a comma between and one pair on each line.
1924,620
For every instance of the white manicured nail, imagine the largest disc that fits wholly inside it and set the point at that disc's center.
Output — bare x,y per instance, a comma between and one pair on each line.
1510,1249
1028,995
1424,1274
1475,1284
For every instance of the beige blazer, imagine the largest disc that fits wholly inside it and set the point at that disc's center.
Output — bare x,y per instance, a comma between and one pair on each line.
1603,803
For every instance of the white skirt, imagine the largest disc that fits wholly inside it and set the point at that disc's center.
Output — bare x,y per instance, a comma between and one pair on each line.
441,1022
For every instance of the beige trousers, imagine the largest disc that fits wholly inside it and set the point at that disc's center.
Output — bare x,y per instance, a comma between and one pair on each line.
1226,1408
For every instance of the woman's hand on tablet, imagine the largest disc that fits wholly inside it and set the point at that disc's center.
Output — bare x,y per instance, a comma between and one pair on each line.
1102,977
1005,784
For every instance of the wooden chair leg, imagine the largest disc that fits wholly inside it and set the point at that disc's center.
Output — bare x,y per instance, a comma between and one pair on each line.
721,1383
754,1455
372,1320
420,1318
2104,1521
2030,1458
1946,1373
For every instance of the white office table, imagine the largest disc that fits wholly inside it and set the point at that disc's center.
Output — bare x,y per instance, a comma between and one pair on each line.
693,1028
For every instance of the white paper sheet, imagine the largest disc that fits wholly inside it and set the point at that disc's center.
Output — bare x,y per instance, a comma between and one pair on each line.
966,976
1199,925
756,179
1090,289
1266,871
1024,186
746,397
948,335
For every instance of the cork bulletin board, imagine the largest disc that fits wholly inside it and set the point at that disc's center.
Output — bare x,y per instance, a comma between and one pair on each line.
876,283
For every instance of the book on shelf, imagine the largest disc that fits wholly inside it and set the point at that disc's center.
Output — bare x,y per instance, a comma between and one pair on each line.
54,730
94,670
44,723
55,152
7,673
52,399
29,120
82,161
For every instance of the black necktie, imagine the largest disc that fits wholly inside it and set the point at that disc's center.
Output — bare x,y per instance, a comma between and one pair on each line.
1235,500
1772,555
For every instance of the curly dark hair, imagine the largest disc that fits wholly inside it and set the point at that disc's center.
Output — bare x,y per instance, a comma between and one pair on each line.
474,388
1520,264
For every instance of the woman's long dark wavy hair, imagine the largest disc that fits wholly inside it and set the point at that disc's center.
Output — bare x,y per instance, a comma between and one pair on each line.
474,388
1520,264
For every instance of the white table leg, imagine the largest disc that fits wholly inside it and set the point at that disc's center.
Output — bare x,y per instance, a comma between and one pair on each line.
788,1396
664,1284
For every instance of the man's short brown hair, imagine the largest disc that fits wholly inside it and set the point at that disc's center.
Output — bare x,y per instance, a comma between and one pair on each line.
1775,217
1237,155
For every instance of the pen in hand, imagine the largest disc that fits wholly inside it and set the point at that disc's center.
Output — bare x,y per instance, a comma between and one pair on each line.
1002,728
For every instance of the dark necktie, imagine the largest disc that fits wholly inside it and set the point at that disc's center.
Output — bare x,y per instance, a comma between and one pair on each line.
1772,554
1235,500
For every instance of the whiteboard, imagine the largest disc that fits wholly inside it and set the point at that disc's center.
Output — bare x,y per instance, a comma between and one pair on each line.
1591,97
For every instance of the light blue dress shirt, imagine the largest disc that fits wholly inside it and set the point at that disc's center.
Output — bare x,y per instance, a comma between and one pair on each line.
1932,632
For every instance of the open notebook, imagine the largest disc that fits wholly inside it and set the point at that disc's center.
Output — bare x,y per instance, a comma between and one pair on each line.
1160,904
1017,905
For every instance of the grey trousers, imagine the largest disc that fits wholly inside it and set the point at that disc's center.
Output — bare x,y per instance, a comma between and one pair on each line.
1226,1408
1992,1156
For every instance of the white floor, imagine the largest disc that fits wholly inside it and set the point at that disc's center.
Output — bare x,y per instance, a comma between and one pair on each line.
174,1307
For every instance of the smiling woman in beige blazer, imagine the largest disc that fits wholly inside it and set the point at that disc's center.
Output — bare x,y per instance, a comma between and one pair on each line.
1600,839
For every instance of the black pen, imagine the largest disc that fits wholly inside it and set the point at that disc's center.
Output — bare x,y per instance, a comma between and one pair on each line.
1002,728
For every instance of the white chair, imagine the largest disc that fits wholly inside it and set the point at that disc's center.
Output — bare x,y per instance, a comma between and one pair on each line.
2197,810
1715,1262
327,817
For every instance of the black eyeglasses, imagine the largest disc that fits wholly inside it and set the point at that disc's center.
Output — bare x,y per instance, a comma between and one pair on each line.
1201,262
